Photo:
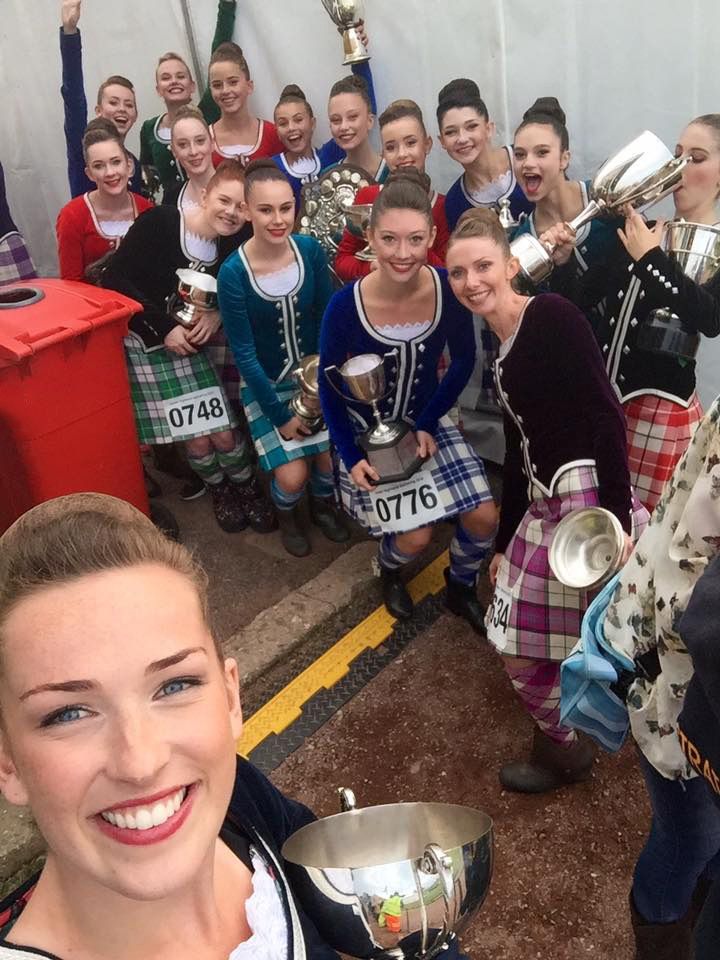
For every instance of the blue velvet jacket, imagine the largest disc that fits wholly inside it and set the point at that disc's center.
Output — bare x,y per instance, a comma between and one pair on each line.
270,335
458,200
416,397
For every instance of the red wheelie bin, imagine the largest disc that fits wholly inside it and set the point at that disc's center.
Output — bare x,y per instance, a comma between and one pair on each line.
66,417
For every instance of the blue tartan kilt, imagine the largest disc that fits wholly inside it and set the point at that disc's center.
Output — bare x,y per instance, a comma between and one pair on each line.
268,443
457,470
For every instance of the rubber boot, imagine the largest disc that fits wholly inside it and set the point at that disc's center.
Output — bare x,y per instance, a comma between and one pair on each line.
395,596
293,538
551,765
325,514
662,941
462,600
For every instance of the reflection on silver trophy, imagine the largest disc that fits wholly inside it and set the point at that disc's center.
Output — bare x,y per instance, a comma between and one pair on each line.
695,247
505,216
391,448
586,548
198,292
305,404
640,174
357,218
347,15
394,882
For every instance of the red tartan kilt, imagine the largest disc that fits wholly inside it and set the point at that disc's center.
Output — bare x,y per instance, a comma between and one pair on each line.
658,433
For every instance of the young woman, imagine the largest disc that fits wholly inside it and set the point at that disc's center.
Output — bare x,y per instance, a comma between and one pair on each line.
175,387
238,133
175,86
351,118
565,439
405,145
161,842
407,307
466,133
682,851
273,292
657,385
91,226
115,102
541,153
191,146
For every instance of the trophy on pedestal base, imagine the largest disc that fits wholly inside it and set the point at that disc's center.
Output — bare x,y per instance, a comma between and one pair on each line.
357,219
197,291
305,404
347,15
390,448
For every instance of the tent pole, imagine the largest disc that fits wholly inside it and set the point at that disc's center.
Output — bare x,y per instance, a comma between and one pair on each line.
192,43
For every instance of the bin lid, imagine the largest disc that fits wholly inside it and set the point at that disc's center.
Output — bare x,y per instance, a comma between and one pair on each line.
41,313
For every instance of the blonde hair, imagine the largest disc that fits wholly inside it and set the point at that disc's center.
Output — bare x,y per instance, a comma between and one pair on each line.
188,112
481,222
70,537
171,55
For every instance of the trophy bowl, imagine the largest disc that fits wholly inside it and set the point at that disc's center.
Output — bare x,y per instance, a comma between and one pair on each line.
347,15
197,291
305,404
586,548
357,220
394,881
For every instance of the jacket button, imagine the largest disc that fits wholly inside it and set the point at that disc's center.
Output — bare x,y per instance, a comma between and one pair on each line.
633,322
278,305
626,350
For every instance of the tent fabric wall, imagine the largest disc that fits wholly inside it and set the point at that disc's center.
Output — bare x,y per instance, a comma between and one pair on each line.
616,66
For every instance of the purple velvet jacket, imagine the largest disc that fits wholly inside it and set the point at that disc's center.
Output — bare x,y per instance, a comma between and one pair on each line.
560,410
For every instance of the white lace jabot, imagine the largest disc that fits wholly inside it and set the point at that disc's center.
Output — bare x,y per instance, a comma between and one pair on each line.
280,282
491,192
266,917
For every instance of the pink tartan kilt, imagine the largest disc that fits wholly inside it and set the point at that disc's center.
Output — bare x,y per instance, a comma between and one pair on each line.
545,616
658,434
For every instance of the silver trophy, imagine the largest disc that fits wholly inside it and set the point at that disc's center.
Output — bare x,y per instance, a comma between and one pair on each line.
586,548
198,292
305,404
394,882
640,174
506,218
390,448
357,220
347,15
695,247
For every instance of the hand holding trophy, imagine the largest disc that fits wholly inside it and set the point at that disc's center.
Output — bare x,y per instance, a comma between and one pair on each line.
347,15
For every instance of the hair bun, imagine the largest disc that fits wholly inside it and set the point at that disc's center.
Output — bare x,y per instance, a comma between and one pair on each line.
459,87
410,175
262,163
546,107
292,90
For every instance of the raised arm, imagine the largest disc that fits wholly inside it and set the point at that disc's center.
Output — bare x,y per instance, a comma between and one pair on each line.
224,27
73,94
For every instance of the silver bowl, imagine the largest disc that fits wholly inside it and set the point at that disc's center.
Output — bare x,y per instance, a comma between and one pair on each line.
586,548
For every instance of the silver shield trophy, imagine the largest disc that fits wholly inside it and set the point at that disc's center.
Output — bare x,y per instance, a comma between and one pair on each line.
394,882
347,16
197,291
640,174
389,447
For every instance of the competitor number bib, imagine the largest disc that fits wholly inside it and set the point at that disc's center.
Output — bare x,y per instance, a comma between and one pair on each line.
497,618
197,413
407,504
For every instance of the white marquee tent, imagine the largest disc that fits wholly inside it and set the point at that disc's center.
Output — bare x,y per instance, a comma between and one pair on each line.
617,66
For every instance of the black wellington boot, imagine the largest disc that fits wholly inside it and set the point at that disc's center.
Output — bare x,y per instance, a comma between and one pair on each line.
662,941
463,601
395,596
550,765
293,538
326,515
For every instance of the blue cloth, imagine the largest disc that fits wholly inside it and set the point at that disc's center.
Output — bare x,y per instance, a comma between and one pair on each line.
587,702
458,200
76,118
270,335
683,844
416,396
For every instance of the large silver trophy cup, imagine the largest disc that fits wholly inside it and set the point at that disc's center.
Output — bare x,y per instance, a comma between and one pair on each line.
395,882
347,16
640,174
305,403
197,291
357,220
695,247
391,448
586,548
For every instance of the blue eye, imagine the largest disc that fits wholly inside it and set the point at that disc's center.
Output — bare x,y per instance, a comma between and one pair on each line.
178,685
64,715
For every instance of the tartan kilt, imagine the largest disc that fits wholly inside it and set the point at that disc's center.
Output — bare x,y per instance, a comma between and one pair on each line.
160,375
545,616
221,356
658,434
15,260
457,470
268,444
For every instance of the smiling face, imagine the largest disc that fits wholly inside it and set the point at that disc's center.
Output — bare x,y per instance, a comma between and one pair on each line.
118,105
465,134
109,167
405,144
480,274
229,86
271,208
295,127
174,83
191,146
223,205
401,239
539,160
350,120
112,688
701,178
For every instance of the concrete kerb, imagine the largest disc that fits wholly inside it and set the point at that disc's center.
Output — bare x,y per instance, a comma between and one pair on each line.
274,636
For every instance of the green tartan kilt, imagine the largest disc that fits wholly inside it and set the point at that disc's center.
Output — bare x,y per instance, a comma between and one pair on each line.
268,443
160,375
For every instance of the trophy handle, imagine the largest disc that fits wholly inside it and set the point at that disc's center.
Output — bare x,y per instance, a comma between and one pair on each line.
347,799
326,371
436,862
